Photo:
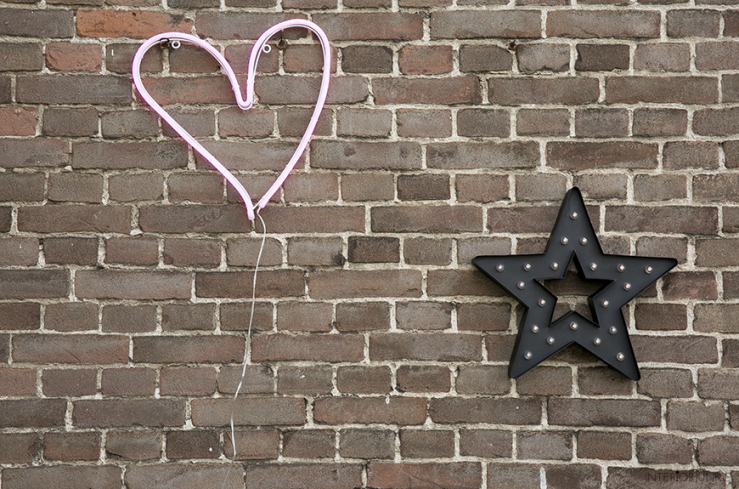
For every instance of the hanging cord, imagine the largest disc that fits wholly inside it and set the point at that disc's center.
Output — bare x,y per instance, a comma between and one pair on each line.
247,352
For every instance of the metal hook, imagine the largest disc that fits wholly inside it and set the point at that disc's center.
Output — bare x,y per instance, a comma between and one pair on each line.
282,43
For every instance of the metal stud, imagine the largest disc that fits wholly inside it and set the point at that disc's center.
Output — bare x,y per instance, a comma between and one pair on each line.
564,240
527,267
621,268
593,266
606,303
573,326
573,215
627,286
500,267
583,241
521,285
550,340
596,341
648,269
542,302
620,357
612,330
528,355
555,266
535,328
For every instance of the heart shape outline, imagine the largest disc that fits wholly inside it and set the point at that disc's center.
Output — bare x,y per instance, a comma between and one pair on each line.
243,103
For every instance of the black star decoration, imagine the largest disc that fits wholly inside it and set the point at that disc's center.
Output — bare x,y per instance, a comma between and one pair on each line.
573,238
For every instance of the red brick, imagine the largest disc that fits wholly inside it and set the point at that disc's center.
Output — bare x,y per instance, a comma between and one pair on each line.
367,444
303,58
32,413
484,58
660,122
326,348
315,251
75,218
483,24
663,90
691,154
188,349
662,57
70,122
366,26
355,155
364,283
603,24
17,382
691,285
249,411
75,187
253,444
71,446
305,380
602,57
118,58
19,448
63,477
19,251
138,24
69,382
23,153
74,57
17,121
308,444
370,410
425,60
304,316
568,90
604,412
20,316
660,448
270,283
364,380
332,476
362,316
128,412
132,251
187,219
184,476
710,188
367,59
136,187
447,91
25,284
192,444
512,411
238,56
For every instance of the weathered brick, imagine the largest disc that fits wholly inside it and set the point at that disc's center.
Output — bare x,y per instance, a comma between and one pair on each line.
661,448
304,316
17,382
424,123
72,446
660,122
447,91
56,23
28,153
481,24
249,411
27,187
253,444
367,59
651,188
192,444
602,57
235,316
138,24
603,445
311,187
718,384
602,123
716,55
19,448
483,317
271,283
716,122
73,89
73,316
20,316
73,187
529,90
19,251
544,446
568,476
120,284
43,284
367,444
314,251
17,121
427,251
190,381
32,413
118,58
327,348
257,379
188,349
483,58
366,249
695,416
185,476
200,218
596,155
429,347
514,411
535,122
152,156
304,90
365,155
676,219
362,316
63,477
22,56
305,380
364,283
308,444
423,379
192,252
369,410
483,123
599,381
426,443
129,319
534,58
482,379
425,60
365,26
332,476
662,57
664,90
603,24
506,155
604,412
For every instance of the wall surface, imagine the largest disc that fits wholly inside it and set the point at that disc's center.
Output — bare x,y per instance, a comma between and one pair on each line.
379,360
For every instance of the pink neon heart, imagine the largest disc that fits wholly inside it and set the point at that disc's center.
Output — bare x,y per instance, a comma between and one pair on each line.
242,103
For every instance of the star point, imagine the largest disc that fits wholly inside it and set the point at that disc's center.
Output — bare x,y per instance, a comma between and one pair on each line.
573,238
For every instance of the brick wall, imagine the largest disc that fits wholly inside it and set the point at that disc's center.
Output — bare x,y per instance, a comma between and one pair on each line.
453,129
